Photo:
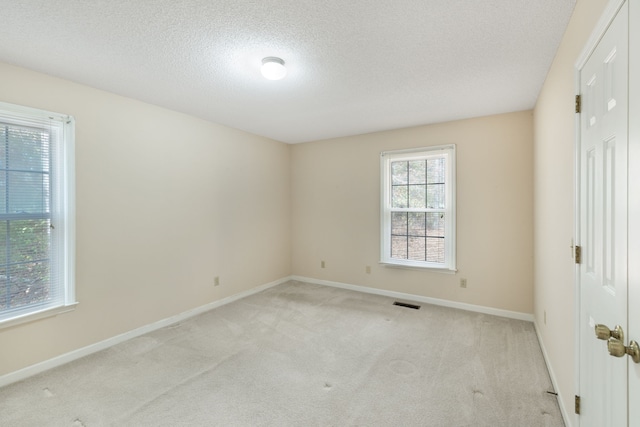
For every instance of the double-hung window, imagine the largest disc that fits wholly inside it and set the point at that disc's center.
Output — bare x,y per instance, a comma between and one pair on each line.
418,207
36,213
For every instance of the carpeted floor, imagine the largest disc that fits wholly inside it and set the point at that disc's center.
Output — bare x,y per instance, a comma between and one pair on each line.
303,355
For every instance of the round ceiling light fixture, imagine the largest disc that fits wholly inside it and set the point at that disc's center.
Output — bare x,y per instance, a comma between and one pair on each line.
273,68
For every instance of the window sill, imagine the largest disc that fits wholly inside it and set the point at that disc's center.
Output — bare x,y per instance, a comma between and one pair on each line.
38,315
415,267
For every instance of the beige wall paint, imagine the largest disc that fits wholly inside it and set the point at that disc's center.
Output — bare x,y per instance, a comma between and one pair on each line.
554,195
336,195
165,202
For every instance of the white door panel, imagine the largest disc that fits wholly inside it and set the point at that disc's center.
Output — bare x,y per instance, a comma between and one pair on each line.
603,225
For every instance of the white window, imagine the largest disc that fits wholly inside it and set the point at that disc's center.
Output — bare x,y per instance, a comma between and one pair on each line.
36,213
418,214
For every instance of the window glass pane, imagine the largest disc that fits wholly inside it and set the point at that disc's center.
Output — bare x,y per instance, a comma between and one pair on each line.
399,247
28,149
400,196
417,196
25,284
29,240
435,224
3,141
24,267
435,249
435,170
417,224
417,248
399,173
3,242
435,196
28,192
4,290
399,223
417,172
3,192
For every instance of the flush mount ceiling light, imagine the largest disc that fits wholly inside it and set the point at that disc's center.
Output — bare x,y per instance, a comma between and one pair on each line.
273,68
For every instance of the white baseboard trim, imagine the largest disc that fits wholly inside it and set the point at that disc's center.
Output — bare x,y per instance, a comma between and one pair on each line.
32,370
428,300
552,375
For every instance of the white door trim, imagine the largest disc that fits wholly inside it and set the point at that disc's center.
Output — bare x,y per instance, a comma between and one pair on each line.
634,208
598,32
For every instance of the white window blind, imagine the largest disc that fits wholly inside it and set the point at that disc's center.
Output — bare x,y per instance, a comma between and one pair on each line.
36,212
418,207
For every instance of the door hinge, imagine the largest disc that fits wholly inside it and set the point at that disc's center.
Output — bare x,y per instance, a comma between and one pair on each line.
578,405
578,104
578,254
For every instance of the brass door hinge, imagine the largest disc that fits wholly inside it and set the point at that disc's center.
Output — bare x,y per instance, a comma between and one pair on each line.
578,104
578,405
578,254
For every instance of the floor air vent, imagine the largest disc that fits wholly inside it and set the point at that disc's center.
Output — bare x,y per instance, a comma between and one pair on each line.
404,304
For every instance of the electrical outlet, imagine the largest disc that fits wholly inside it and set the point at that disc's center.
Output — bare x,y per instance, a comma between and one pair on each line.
216,281
322,264
463,283
368,269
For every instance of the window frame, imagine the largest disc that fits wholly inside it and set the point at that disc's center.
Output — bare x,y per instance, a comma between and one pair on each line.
62,209
448,152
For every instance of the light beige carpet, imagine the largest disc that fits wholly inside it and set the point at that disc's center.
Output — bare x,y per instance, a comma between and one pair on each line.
303,355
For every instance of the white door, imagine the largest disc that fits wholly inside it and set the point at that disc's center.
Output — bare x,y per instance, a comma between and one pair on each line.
602,277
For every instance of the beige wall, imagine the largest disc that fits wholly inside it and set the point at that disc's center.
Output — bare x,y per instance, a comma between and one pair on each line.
554,195
165,202
336,196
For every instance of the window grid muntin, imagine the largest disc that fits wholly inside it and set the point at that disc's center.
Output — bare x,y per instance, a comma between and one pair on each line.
405,182
431,241
408,174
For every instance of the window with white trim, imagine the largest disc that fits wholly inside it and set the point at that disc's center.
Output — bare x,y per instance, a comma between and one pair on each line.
418,214
36,213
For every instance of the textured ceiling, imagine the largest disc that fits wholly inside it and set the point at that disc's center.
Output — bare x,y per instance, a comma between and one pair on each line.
354,66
